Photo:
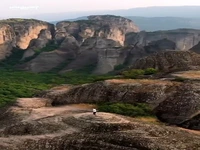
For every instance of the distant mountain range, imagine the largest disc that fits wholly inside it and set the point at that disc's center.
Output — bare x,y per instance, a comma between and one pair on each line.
157,23
162,11
147,18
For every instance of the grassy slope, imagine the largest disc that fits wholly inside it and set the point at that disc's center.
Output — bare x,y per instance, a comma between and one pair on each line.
14,84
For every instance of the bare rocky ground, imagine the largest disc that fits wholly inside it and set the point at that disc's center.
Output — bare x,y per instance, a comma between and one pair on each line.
32,124
190,75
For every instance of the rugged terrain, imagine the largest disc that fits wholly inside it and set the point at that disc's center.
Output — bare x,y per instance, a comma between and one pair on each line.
23,34
86,42
35,125
173,102
103,42
170,61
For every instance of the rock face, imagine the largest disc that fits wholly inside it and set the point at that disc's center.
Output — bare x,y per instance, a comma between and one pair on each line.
73,127
173,102
45,61
183,108
43,39
170,61
95,41
105,53
20,33
102,42
6,40
180,39
196,48
109,27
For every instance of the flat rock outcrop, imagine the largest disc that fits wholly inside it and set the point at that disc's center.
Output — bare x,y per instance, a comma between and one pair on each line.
130,91
74,127
176,103
33,102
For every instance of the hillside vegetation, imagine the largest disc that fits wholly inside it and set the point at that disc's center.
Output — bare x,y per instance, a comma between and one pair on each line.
17,84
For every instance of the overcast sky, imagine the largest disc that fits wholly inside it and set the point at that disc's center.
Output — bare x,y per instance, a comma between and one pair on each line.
21,8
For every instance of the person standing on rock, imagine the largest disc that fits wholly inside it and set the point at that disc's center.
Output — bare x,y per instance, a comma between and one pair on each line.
94,111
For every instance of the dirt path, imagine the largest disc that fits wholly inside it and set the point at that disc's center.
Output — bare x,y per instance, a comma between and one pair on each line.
45,112
191,131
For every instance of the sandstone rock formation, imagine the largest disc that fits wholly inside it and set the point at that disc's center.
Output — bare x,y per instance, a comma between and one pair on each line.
45,61
20,33
105,41
43,39
129,91
110,27
196,48
180,39
105,53
96,41
169,61
6,40
73,127
183,107
138,45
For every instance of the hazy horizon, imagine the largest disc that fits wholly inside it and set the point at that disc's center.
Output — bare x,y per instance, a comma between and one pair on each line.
21,8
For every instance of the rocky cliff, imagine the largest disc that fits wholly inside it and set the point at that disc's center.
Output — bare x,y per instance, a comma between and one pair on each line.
109,27
180,39
86,42
21,33
196,48
170,61
104,53
105,41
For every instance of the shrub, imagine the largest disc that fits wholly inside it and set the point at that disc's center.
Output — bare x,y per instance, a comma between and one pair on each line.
134,110
150,71
134,73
